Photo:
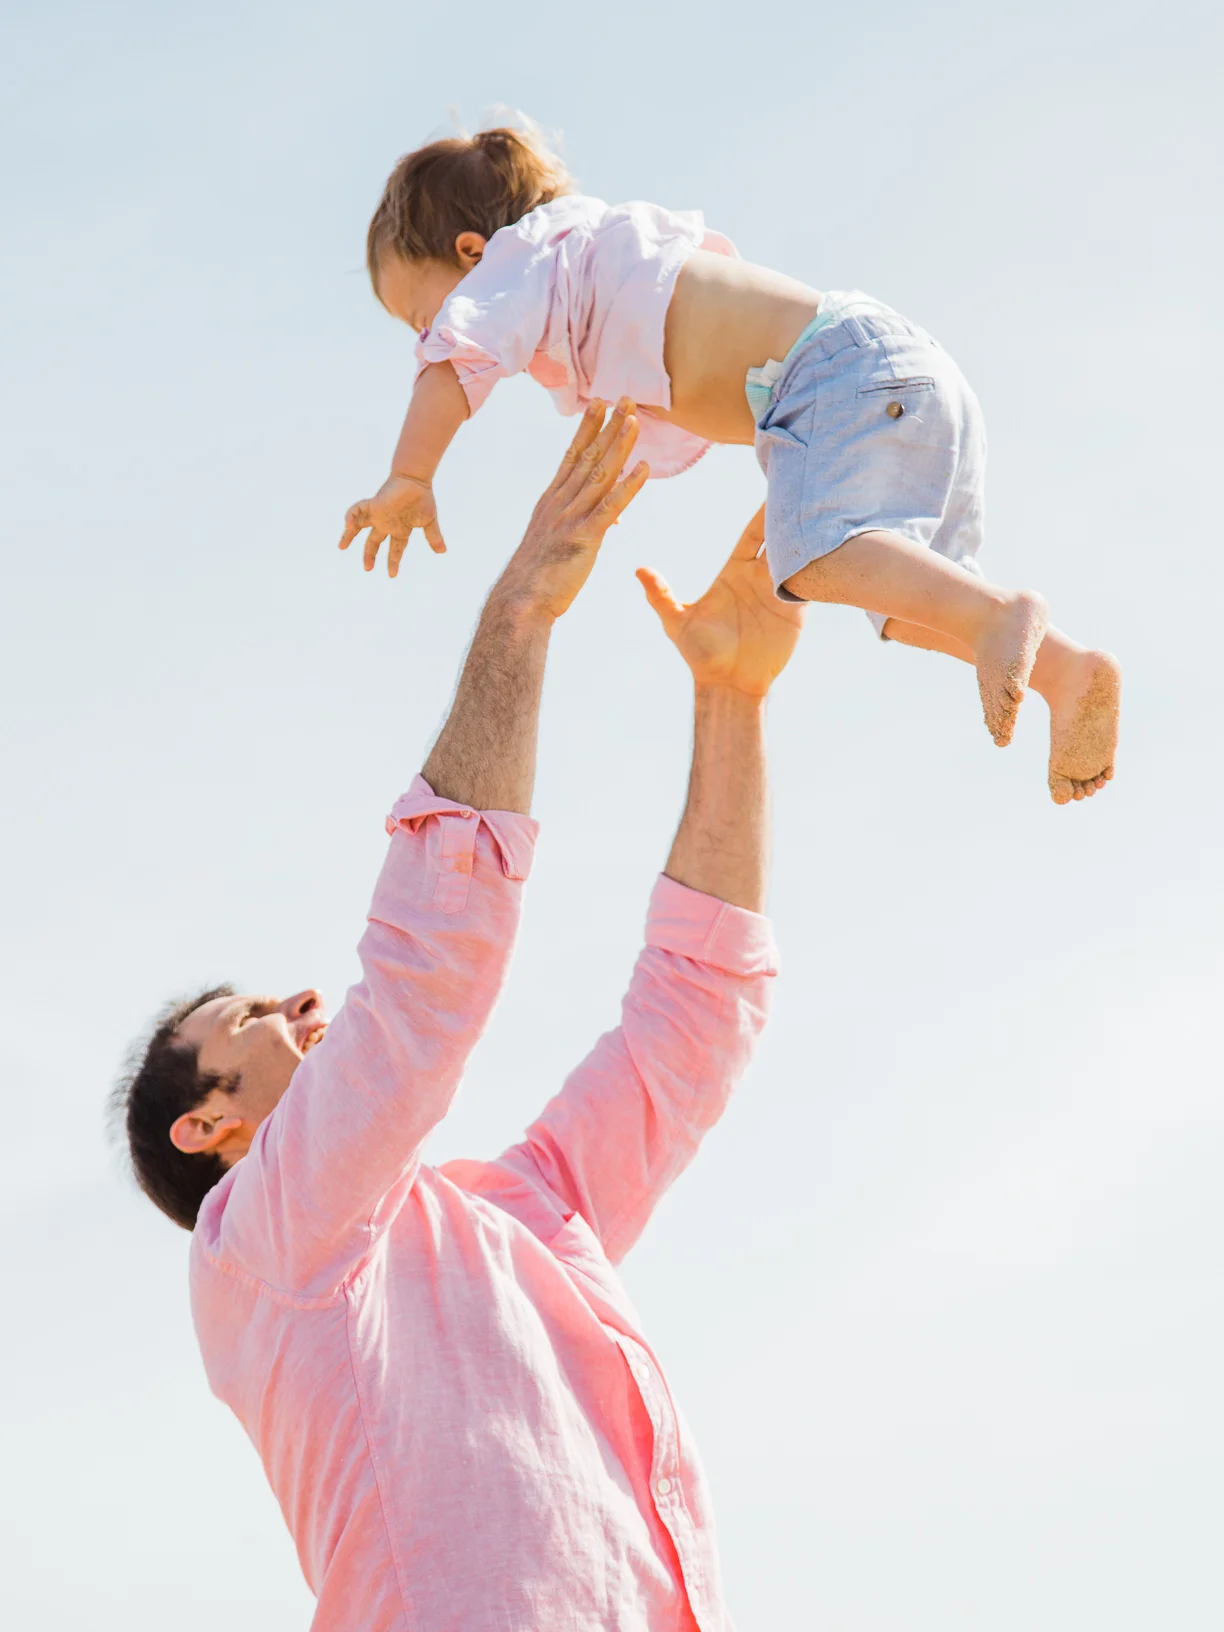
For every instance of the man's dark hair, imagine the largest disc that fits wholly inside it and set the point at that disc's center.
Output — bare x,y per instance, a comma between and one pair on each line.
162,1083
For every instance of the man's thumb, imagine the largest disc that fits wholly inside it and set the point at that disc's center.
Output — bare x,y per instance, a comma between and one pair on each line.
660,596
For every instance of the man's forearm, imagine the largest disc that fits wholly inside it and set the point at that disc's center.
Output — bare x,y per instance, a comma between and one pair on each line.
485,755
722,845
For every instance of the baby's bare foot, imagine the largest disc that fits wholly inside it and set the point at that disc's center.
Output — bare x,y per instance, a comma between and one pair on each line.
1004,656
1084,726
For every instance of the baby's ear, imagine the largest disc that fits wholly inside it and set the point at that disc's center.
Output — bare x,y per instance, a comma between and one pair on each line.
469,247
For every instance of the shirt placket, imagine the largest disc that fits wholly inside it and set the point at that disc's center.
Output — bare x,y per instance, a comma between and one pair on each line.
667,1484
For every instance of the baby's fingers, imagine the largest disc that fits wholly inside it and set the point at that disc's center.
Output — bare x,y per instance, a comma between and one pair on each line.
396,545
356,517
433,537
373,539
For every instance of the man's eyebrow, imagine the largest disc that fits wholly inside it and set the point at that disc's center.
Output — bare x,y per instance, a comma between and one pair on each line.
256,1006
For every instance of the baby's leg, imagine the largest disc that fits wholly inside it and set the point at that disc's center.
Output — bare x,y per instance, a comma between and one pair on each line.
1002,628
1083,689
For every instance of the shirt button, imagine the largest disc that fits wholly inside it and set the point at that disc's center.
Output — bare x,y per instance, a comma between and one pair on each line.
895,410
663,1487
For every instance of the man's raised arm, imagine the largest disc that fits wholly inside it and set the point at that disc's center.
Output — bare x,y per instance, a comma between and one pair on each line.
629,1119
339,1153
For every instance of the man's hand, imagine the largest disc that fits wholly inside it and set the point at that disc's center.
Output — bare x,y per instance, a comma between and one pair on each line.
736,640
739,635
567,526
401,503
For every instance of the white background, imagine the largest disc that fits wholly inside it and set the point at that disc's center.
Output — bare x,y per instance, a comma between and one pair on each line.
942,1295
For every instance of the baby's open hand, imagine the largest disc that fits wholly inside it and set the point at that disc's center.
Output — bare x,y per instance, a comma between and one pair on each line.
401,503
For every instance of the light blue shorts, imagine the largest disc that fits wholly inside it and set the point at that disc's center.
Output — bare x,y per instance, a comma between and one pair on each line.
869,424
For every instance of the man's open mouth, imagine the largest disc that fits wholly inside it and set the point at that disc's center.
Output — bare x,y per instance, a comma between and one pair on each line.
313,1036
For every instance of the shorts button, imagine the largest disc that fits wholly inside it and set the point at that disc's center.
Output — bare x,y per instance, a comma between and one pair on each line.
895,410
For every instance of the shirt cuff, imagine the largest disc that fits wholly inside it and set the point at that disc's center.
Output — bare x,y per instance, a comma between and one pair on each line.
710,931
514,835
478,370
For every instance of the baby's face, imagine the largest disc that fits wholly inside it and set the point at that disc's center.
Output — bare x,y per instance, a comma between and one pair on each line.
414,291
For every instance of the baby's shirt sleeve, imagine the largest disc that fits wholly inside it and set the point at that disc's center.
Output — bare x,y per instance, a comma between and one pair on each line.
496,319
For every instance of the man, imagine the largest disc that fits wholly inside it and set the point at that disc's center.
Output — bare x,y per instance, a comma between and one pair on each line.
440,1370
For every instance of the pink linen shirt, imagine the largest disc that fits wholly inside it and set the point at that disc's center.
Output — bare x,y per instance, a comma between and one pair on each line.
439,1368
576,293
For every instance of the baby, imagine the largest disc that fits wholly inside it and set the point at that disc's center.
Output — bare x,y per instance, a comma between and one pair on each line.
870,438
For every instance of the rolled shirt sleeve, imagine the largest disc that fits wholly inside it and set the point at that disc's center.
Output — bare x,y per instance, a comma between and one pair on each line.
337,1157
630,1118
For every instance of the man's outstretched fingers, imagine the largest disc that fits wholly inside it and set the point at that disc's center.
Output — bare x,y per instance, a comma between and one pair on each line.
614,460
613,504
595,468
612,450
588,430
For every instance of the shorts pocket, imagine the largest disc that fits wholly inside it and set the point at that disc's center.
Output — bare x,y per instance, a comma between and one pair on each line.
915,382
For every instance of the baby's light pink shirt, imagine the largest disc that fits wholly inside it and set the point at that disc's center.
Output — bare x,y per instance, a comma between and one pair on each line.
576,293
446,1383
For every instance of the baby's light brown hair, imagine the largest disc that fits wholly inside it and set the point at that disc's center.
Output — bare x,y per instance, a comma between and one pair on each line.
461,184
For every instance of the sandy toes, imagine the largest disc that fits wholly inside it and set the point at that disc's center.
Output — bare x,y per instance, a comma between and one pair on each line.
1005,658
1084,729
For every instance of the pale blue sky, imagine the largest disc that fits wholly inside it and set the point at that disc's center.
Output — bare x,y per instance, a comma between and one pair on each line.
942,1296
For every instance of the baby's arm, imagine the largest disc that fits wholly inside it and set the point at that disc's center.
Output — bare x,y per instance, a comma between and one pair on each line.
405,500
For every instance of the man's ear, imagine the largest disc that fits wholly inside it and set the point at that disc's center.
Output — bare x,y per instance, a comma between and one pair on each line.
469,247
201,1130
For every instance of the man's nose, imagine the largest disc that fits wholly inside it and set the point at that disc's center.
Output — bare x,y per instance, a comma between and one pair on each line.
302,1003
